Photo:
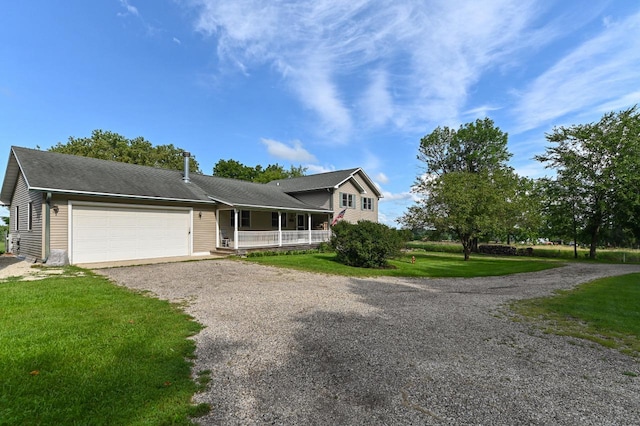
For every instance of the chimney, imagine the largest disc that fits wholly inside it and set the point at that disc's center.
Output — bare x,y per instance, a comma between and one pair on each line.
186,156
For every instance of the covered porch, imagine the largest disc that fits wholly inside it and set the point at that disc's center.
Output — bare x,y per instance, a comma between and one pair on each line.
255,228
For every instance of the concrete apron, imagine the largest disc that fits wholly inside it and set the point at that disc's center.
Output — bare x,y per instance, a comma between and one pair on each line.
137,262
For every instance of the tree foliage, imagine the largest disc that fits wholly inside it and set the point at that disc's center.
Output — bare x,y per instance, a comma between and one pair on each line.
468,189
365,244
235,170
598,168
474,147
112,146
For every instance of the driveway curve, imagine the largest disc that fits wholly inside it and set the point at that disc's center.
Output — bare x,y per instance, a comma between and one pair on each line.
289,347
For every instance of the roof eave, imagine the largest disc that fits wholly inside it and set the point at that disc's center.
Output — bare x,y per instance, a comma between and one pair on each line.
126,196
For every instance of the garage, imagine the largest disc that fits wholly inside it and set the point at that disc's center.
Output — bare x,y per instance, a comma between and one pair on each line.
107,232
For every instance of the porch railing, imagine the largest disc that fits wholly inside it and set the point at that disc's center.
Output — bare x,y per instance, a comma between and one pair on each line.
254,239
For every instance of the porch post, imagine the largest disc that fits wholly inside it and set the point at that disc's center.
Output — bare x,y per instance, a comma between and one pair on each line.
279,229
235,228
309,228
217,228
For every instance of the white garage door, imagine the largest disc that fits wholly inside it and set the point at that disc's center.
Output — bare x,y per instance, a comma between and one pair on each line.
108,233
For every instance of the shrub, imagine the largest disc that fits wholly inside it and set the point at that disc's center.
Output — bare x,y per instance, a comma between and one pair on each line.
365,244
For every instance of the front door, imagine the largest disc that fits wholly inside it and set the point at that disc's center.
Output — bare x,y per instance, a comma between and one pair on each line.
301,222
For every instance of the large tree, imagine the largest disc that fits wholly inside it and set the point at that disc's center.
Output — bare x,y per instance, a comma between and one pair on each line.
467,188
599,165
236,170
112,146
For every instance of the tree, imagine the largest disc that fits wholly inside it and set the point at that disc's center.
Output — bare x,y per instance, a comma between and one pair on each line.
465,204
112,146
235,170
468,189
599,164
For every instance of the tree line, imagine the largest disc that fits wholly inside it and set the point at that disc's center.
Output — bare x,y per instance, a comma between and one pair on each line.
468,190
108,145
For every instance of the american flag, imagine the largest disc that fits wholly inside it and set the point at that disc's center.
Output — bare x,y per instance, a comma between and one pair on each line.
337,218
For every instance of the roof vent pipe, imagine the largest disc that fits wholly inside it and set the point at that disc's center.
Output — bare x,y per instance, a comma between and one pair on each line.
186,156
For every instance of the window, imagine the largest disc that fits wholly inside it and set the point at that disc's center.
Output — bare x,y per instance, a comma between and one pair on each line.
367,203
245,218
347,200
30,216
274,220
17,226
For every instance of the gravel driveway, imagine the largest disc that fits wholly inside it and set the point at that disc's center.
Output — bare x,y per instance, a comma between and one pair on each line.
288,347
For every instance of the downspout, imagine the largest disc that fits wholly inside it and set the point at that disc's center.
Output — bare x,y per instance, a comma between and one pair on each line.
47,228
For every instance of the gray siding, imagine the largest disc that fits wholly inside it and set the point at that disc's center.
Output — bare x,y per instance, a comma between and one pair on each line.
26,242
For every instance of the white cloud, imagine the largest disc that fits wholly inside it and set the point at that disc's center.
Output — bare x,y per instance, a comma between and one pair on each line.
377,100
382,178
481,111
596,75
400,196
131,10
314,169
176,40
294,152
426,55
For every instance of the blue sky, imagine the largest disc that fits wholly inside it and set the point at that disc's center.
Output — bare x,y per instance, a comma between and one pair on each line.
327,84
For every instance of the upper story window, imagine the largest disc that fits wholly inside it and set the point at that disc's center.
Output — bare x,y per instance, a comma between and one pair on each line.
367,203
347,200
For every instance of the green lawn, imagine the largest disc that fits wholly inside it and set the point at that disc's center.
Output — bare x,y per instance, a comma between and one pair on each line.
80,350
605,311
427,265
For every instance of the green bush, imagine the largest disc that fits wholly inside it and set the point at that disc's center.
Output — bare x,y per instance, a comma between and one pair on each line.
365,244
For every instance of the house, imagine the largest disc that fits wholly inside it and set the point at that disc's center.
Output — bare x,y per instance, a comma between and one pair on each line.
98,210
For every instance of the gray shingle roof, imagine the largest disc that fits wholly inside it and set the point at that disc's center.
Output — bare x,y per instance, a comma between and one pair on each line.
52,171
314,182
248,194
323,181
55,172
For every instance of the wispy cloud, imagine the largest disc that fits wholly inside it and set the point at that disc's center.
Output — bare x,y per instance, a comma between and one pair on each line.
382,178
130,9
176,40
294,152
315,168
425,55
597,75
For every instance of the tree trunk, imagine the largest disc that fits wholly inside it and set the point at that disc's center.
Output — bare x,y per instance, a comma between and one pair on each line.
466,245
594,243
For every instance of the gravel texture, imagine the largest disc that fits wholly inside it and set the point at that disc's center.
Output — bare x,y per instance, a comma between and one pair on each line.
288,347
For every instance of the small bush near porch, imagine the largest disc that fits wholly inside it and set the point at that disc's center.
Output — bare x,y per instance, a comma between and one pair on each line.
365,244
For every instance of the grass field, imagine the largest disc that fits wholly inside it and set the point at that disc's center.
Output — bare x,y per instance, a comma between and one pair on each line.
80,350
604,311
427,265
543,251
